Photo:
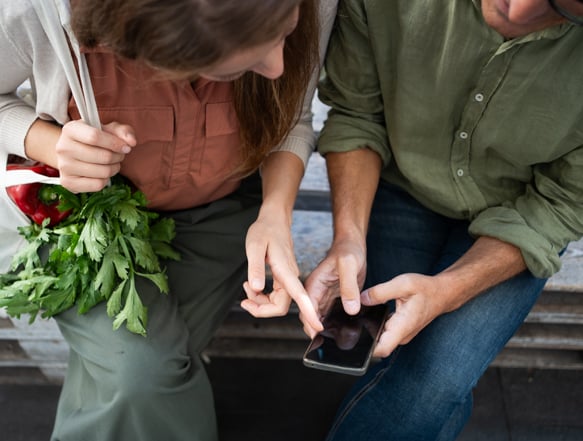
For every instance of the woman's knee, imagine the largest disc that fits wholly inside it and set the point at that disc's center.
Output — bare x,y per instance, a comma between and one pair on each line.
120,362
143,371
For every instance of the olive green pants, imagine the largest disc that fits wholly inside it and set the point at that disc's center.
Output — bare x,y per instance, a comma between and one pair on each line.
125,387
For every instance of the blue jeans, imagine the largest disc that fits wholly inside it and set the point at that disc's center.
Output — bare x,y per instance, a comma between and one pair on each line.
423,391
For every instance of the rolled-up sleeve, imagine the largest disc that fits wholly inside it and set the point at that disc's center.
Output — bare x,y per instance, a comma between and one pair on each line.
351,88
543,220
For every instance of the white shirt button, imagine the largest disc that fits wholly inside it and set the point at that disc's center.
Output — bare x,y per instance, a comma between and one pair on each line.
463,135
479,97
460,172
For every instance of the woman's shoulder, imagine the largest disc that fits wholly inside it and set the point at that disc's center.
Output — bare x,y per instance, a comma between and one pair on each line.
19,16
327,15
18,21
328,8
24,42
21,11
21,32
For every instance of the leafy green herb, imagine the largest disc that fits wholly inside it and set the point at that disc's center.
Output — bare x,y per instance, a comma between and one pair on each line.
94,255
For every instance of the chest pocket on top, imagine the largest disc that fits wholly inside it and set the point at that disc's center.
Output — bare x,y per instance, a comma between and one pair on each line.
222,141
151,159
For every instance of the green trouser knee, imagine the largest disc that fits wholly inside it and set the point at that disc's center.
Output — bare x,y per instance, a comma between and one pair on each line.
124,387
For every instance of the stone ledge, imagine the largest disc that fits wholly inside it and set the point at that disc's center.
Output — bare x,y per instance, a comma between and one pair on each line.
312,234
570,277
312,231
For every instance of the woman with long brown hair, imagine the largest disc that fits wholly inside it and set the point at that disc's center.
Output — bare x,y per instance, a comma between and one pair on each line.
194,102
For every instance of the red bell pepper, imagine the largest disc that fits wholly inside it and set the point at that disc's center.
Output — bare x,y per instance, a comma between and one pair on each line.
37,201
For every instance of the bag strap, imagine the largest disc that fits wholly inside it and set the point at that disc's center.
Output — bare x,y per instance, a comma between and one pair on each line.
59,37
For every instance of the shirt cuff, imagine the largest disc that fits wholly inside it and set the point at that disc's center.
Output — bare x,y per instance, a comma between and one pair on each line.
343,134
540,255
300,141
14,128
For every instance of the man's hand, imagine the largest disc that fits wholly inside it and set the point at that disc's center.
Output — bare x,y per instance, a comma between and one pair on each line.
420,299
341,273
417,301
354,177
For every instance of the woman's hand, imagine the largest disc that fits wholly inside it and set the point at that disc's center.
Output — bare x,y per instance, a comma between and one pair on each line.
269,242
88,157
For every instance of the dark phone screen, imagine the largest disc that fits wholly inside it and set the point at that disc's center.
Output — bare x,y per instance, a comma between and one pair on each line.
346,339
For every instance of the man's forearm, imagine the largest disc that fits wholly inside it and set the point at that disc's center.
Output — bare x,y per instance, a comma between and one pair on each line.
487,263
354,178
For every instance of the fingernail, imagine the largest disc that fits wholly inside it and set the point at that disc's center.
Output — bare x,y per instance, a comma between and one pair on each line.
351,306
256,284
365,297
126,149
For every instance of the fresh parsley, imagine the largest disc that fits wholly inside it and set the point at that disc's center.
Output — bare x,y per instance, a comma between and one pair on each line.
93,256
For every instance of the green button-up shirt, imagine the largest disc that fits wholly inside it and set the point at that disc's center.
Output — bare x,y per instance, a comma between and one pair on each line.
471,125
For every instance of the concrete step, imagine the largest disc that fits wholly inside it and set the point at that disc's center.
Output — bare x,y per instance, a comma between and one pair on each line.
557,313
548,336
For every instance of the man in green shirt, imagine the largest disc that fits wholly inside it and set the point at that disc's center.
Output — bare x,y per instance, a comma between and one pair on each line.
455,158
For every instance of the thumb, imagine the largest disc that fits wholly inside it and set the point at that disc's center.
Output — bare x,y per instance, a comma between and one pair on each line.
124,132
383,292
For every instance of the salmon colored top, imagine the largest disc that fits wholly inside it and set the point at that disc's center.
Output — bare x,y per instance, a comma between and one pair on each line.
187,135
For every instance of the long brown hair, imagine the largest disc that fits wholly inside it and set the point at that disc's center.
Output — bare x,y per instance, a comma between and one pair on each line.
186,36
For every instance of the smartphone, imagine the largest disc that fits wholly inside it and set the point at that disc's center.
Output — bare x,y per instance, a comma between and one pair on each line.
347,342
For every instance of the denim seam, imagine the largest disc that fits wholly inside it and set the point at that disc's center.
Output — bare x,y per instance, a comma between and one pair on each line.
363,391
